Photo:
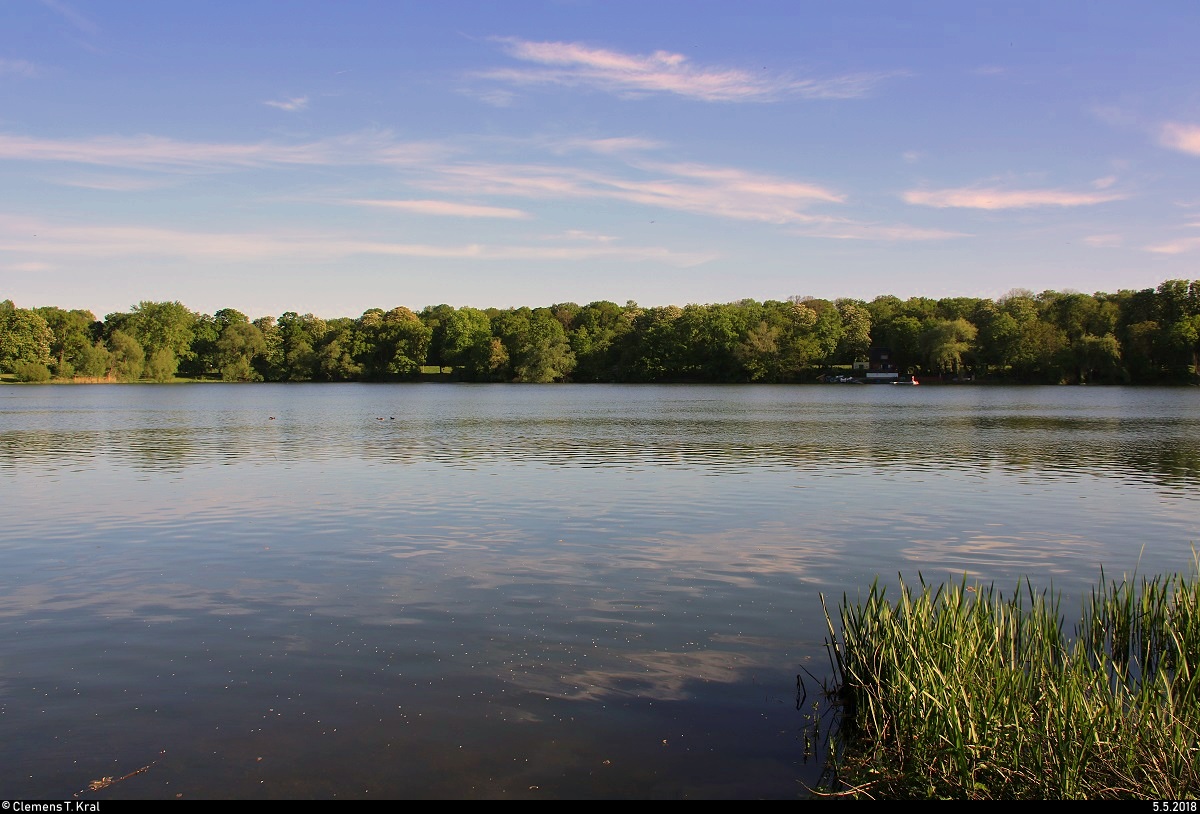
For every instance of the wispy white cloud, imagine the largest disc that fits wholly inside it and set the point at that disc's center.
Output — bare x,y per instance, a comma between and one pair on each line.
444,208
687,187
496,97
1180,246
1106,241
30,268
580,234
110,183
845,229
47,240
18,67
1105,182
709,190
291,104
694,188
524,180
1116,116
610,146
740,181
577,65
155,152
77,20
992,198
1182,137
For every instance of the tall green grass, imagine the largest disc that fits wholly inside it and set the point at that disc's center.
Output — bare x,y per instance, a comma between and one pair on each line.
963,693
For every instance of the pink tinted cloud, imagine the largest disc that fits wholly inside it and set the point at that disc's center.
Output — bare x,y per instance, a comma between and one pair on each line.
291,104
576,64
1182,137
444,208
156,152
694,188
983,198
47,240
18,67
843,229
1104,241
1180,246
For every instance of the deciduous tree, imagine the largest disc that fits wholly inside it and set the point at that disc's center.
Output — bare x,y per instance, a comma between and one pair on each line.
24,337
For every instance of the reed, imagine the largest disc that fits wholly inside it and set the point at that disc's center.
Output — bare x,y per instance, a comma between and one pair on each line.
963,693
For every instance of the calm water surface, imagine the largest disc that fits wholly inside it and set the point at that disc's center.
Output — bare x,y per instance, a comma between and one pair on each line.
445,591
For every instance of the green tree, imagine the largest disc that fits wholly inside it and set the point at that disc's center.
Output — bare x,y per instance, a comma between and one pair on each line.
300,337
799,348
884,308
921,309
93,361
270,363
497,359
711,337
31,372
237,348
335,356
1041,354
953,308
649,350
536,345
826,330
1142,354
595,336
72,334
1078,314
206,330
998,339
856,330
162,325
1183,344
435,318
161,366
467,344
944,342
565,313
1096,358
760,354
126,357
24,337
205,333
394,345
1178,300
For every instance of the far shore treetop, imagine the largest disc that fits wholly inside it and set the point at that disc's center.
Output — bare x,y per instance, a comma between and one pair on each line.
1151,336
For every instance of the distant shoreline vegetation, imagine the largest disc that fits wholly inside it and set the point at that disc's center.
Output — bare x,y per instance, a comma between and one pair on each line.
1151,336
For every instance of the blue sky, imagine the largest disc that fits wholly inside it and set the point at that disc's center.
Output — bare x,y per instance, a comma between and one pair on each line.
333,157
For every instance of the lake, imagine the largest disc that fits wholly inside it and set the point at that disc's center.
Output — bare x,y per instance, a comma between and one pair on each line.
516,591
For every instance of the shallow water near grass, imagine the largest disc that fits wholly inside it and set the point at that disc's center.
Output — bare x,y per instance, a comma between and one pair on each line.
495,591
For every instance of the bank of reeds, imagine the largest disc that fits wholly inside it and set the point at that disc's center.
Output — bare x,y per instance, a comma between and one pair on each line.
962,693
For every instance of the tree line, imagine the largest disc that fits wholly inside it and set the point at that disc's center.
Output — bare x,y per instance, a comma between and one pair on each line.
1146,336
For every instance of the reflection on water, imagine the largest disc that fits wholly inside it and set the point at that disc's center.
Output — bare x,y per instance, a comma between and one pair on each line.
1136,433
491,591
